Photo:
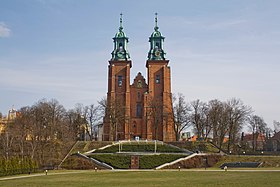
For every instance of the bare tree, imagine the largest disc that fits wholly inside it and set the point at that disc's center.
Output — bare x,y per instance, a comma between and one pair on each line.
155,115
220,119
223,123
237,115
71,120
102,105
7,140
21,129
114,115
92,116
215,117
181,115
199,118
78,122
43,131
257,126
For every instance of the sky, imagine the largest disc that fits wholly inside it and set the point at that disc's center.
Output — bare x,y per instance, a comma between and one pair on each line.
217,49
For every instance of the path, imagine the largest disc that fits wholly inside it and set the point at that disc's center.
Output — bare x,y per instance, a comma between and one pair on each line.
42,174
145,170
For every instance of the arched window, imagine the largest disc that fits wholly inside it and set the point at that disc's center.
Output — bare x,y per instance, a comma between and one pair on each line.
119,80
138,110
157,45
157,79
139,84
121,47
134,128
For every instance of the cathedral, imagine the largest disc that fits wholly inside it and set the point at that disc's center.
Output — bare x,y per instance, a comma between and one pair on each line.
143,109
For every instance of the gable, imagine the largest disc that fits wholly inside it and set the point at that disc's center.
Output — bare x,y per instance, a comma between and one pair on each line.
139,81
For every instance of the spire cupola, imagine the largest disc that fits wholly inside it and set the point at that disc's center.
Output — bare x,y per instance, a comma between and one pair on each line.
120,52
156,43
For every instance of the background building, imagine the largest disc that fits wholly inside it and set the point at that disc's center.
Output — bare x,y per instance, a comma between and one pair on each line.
6,120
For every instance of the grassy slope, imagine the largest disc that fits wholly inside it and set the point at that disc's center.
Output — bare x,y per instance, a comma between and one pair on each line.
84,146
268,161
151,178
195,146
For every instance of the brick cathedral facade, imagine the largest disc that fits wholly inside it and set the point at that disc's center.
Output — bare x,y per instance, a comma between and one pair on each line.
141,109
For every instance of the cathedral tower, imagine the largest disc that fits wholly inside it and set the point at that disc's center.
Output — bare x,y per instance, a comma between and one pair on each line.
158,100
118,96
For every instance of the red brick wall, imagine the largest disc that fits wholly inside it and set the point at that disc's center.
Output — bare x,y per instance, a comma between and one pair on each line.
127,94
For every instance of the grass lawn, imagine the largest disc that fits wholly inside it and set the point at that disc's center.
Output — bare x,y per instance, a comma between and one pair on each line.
150,178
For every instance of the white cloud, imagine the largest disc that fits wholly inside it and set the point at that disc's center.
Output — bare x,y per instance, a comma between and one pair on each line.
4,30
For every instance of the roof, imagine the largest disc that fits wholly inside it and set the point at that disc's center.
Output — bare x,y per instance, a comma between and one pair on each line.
156,33
249,137
120,33
276,136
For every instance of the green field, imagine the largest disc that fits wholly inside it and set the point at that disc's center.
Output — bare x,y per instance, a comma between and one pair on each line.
150,178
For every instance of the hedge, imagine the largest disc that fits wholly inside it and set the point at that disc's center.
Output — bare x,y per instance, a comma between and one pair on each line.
16,165
117,161
141,148
152,161
145,161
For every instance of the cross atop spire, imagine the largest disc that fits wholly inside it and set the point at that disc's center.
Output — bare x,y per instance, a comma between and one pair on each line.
156,21
156,18
121,14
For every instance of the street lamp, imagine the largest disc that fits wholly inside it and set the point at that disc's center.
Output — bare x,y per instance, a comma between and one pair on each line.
205,162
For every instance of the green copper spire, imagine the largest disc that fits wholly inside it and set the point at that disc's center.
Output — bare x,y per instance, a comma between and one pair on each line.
156,43
120,44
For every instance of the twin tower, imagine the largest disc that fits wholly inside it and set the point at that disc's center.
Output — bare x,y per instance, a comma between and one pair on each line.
142,110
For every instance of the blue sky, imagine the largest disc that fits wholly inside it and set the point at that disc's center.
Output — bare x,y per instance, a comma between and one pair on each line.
217,49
